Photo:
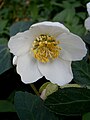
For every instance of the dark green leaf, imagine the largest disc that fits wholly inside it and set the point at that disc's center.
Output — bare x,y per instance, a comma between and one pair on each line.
71,4
3,24
74,27
34,11
6,106
86,116
81,71
19,27
69,101
87,38
30,107
3,41
5,59
65,15
82,15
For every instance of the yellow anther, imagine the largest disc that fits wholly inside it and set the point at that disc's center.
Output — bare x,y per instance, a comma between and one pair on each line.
45,48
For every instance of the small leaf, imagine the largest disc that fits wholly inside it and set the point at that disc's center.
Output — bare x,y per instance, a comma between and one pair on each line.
43,87
60,16
65,15
69,101
3,24
81,71
30,107
19,27
5,59
6,106
51,88
70,4
34,11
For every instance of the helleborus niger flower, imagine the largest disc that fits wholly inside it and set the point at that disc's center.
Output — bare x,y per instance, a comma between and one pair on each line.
87,21
46,49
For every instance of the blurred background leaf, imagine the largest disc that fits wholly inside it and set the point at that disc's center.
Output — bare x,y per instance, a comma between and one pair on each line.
3,24
19,27
87,38
68,12
6,106
5,59
86,116
3,41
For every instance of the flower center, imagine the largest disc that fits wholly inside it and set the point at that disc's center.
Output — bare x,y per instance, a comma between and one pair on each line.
45,48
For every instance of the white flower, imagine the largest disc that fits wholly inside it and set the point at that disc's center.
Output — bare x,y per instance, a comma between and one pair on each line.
46,49
87,21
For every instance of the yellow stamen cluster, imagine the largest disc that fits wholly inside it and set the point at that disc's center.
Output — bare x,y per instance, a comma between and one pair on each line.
45,48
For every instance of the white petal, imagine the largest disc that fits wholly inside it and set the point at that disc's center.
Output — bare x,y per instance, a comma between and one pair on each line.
27,68
65,55
50,28
15,60
58,72
87,23
88,8
73,47
20,43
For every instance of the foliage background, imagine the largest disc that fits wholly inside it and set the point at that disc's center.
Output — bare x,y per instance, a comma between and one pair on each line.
18,15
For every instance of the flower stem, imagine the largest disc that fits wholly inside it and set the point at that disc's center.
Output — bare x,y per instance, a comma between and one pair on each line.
34,89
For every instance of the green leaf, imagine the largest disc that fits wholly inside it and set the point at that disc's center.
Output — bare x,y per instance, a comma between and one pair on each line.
71,4
3,41
19,27
69,101
65,15
74,27
5,59
81,71
86,116
30,107
82,15
6,106
34,11
86,38
3,24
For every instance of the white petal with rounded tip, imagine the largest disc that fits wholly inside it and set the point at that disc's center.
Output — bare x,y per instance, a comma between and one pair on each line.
20,43
49,28
87,23
27,68
73,47
15,60
88,8
58,72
